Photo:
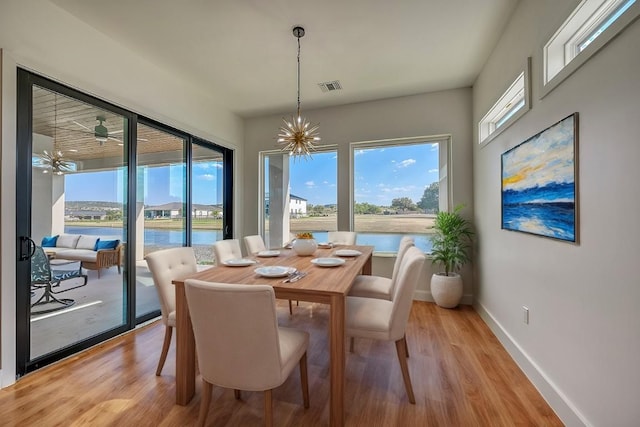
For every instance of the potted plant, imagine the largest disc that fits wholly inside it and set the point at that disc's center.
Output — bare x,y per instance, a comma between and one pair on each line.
451,249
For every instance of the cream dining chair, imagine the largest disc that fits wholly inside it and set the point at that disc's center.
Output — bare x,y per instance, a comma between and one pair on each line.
342,237
385,320
377,286
166,265
224,250
240,351
254,244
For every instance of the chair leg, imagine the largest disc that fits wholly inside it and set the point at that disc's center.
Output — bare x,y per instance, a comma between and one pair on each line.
290,308
406,346
402,358
205,401
236,393
304,381
268,409
165,348
351,341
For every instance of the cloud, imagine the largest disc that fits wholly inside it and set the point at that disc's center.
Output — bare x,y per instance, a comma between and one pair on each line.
406,163
208,165
434,170
310,184
358,152
207,177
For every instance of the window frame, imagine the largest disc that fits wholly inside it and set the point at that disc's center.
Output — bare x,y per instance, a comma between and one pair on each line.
491,125
444,166
325,148
562,50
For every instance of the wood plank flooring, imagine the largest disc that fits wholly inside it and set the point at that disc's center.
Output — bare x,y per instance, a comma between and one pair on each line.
461,377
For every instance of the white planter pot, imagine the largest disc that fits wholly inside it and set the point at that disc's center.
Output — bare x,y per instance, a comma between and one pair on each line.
446,290
304,247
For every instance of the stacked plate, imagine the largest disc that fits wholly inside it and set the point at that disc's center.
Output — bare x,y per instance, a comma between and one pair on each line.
348,252
275,271
240,262
327,262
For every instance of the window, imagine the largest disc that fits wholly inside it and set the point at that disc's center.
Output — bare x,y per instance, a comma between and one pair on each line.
398,186
513,103
589,27
299,195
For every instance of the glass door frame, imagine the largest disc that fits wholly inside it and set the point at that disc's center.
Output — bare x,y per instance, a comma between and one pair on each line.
24,140
25,82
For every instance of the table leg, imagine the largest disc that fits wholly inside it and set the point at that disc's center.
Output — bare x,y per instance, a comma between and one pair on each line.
185,350
337,351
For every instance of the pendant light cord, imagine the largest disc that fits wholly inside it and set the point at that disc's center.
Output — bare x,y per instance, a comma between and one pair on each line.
298,118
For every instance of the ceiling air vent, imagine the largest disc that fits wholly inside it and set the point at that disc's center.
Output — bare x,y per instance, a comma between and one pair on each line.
330,86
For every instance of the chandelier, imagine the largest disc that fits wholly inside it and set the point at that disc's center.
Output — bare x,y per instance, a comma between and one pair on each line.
297,135
54,161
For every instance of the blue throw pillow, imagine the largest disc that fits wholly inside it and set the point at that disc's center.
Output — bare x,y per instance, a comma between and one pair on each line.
49,242
107,244
95,248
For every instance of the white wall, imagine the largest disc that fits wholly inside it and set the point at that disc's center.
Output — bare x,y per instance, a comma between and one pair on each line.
582,344
37,35
447,112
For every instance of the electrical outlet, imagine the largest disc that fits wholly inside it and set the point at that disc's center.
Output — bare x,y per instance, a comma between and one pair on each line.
525,311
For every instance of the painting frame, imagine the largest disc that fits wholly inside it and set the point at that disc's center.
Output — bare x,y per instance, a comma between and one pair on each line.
539,183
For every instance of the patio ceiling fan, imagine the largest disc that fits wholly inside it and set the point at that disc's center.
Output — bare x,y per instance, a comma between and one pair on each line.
101,133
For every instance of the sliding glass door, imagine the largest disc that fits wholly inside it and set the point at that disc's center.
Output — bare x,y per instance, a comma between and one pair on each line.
71,205
99,188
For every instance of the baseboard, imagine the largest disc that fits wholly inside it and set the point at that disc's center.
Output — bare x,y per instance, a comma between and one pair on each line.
559,402
423,295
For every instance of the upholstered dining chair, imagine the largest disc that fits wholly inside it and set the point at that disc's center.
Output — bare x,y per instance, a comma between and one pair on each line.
240,351
386,320
166,265
254,244
342,237
224,250
377,286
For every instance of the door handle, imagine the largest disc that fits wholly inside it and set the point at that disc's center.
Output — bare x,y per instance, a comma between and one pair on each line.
30,246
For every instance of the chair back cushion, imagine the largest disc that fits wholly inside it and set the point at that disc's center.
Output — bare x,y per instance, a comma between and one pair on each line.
254,244
236,333
409,274
67,241
87,242
405,243
224,250
40,268
165,266
342,237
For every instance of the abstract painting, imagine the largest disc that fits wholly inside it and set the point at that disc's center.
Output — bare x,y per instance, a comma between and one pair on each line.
539,183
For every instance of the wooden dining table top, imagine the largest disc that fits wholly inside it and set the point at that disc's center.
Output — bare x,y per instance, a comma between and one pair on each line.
318,279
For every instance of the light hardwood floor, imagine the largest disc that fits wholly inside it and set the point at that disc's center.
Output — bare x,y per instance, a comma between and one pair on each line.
461,377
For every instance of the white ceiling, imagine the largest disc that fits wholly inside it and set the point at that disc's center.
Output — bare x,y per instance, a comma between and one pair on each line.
243,52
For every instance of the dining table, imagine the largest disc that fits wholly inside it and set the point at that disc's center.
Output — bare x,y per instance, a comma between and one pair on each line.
326,282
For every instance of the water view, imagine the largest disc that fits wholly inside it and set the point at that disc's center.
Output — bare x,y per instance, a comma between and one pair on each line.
383,242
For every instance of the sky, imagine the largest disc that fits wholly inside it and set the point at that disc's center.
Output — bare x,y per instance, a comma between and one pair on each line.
381,175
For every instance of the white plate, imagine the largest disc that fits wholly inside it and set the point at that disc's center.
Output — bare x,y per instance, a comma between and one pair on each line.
275,271
268,253
325,245
327,262
242,262
348,252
